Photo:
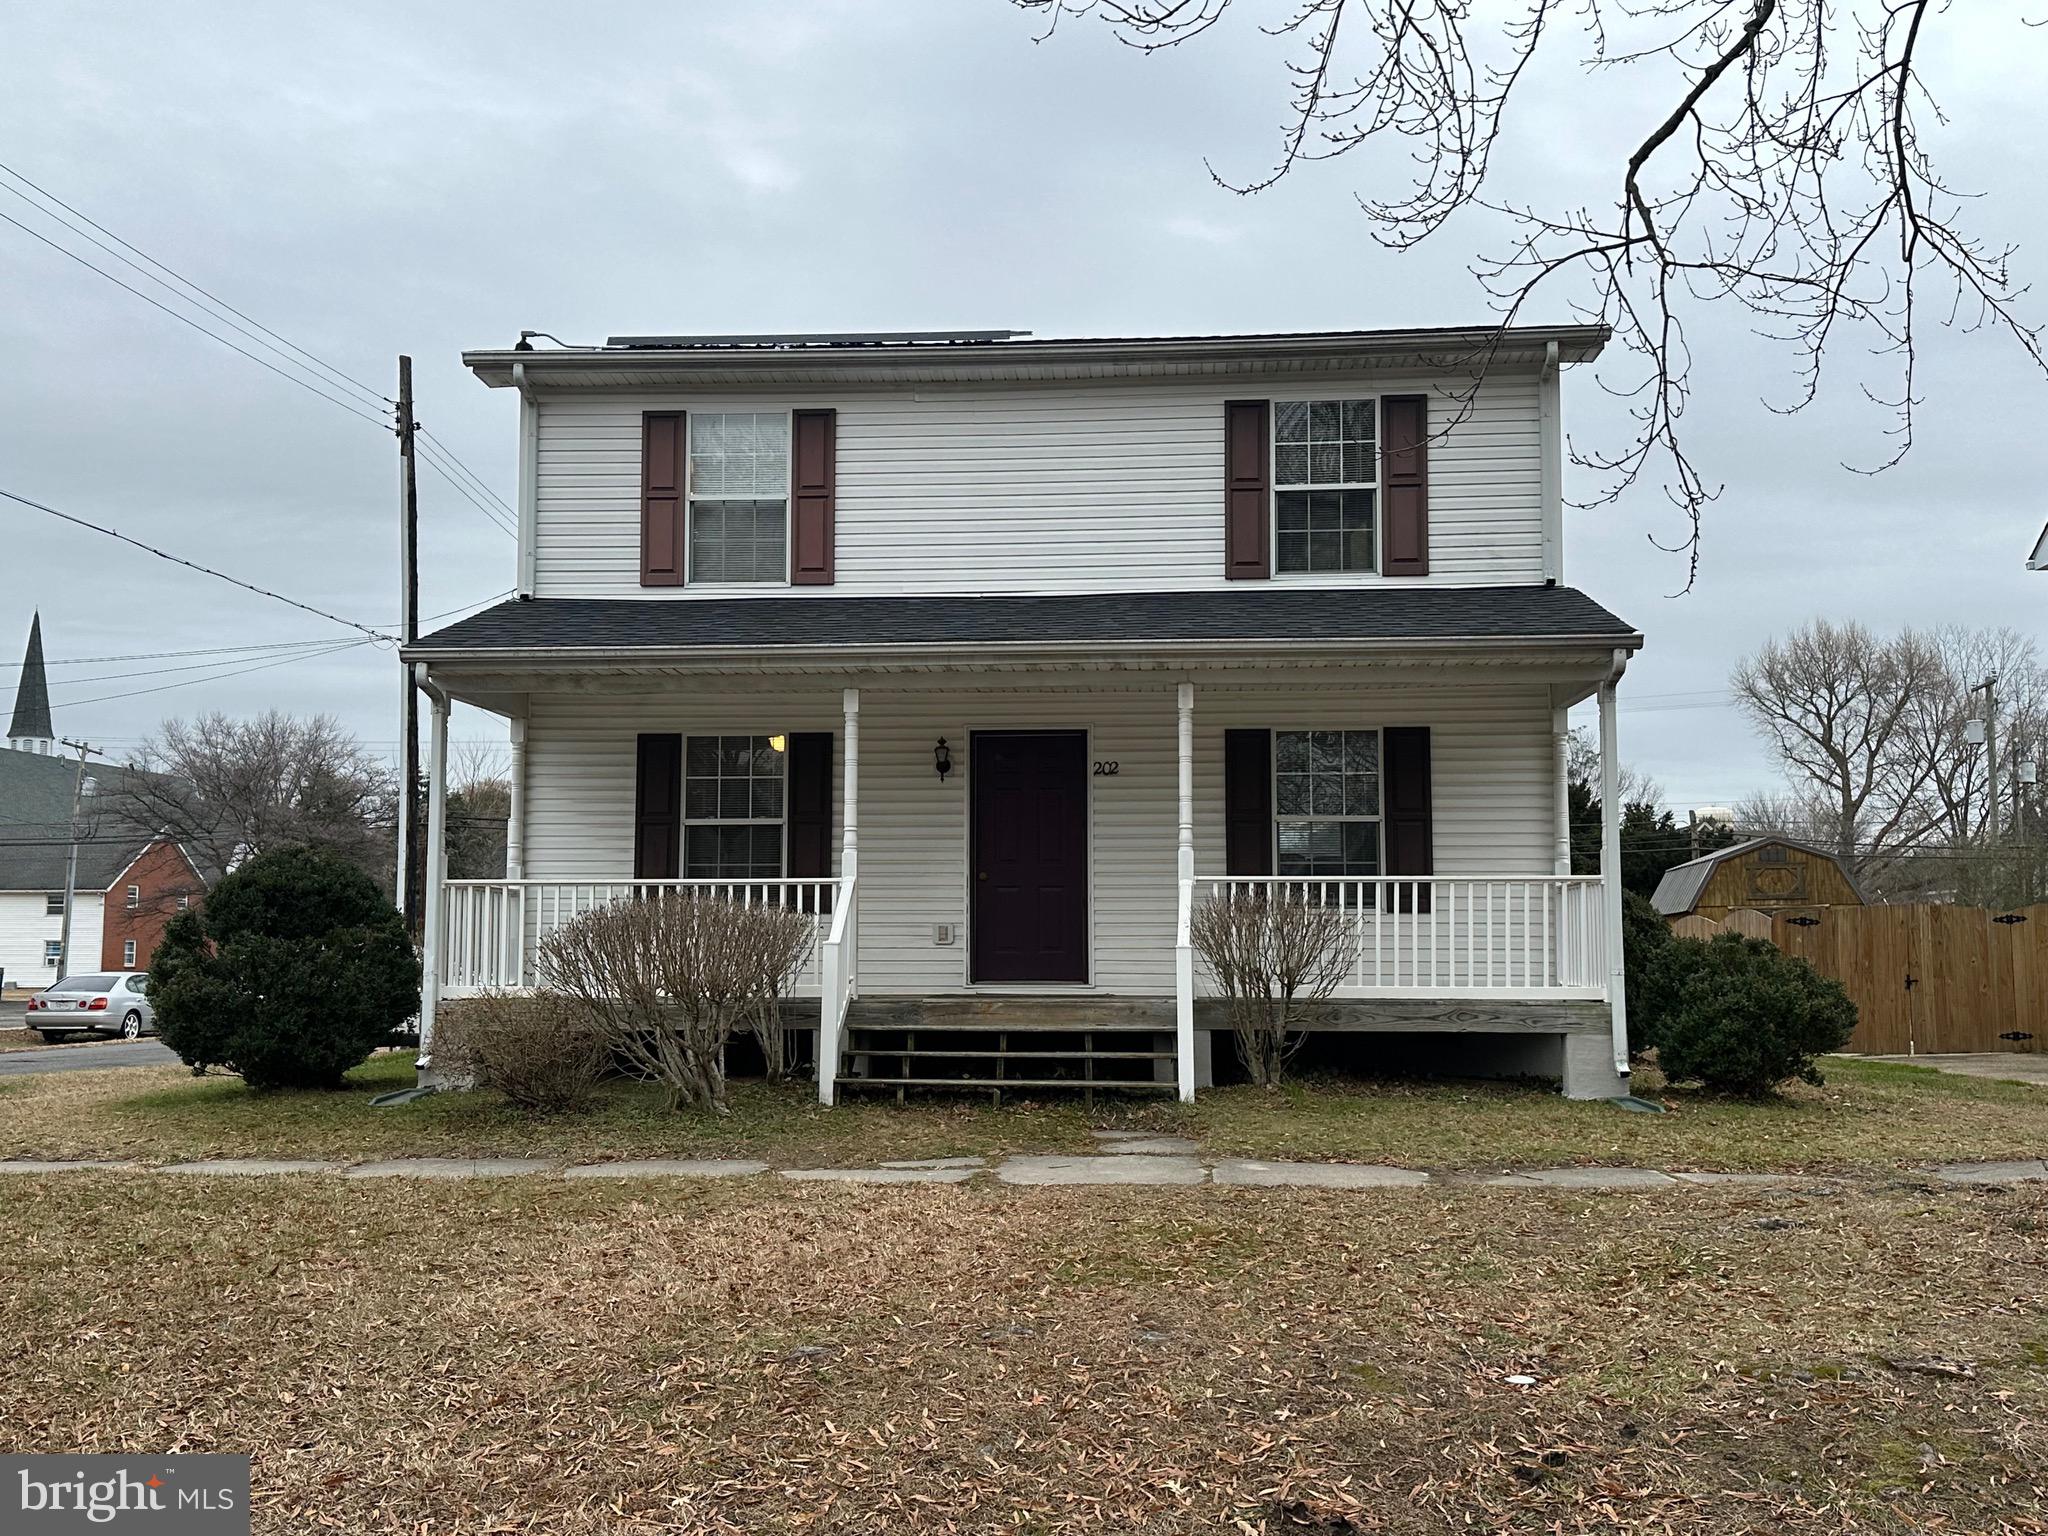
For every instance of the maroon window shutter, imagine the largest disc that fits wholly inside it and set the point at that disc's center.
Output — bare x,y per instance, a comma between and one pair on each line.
1404,484
1408,824
658,808
661,499
1248,802
814,489
809,808
1247,490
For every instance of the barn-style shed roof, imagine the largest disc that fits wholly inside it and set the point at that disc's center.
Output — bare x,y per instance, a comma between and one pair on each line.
1680,889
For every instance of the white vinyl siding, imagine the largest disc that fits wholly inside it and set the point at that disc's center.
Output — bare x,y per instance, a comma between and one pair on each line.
27,925
1035,488
1493,763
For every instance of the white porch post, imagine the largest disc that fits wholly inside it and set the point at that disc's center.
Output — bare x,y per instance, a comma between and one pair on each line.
1561,729
849,844
515,811
437,865
1610,867
839,964
1183,954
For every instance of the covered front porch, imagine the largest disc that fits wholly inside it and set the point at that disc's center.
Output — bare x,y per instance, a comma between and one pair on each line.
993,837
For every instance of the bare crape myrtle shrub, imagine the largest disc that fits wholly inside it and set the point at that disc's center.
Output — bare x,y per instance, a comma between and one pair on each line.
1268,952
666,979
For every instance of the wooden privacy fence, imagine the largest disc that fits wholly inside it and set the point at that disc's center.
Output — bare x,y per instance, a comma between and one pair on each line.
1923,978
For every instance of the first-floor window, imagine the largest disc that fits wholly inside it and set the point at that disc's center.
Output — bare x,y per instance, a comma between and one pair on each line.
1326,803
732,807
53,951
128,954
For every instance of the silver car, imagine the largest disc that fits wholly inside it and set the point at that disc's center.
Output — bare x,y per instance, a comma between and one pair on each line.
102,1003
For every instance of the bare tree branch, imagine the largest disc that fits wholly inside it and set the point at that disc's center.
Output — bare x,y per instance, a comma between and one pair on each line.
1788,179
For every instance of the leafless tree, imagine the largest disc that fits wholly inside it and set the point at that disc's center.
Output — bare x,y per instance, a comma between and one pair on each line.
1873,735
1782,173
230,789
1838,704
1269,951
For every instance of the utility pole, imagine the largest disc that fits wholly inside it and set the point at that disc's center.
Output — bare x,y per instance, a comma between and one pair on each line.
408,892
1989,688
71,862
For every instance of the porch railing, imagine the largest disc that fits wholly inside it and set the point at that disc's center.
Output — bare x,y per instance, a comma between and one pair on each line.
492,928
1537,936
839,962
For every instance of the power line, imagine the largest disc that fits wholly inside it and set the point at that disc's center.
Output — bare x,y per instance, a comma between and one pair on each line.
218,305
474,478
204,570
262,666
202,330
197,666
208,650
467,494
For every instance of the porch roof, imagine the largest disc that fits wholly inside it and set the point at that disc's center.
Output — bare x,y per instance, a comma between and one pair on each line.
1377,618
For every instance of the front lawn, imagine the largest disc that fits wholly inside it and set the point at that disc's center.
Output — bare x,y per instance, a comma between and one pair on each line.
1870,1114
755,1356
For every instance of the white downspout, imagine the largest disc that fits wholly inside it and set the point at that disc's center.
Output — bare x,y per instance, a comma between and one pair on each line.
1550,439
437,862
1610,864
529,480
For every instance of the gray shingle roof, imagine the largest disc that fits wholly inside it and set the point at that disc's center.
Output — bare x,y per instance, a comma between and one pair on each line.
1280,614
35,822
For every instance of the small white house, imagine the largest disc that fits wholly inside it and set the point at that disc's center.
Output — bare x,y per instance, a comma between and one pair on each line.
1001,655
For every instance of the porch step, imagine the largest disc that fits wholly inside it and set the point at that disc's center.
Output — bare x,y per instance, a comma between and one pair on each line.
994,1043
1023,1012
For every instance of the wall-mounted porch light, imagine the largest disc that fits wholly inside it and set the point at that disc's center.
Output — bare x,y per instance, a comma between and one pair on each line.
778,743
942,759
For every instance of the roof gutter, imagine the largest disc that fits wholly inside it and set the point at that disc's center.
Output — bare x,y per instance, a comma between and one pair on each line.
1450,347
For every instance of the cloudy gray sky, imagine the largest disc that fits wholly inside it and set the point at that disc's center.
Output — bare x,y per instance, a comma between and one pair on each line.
382,178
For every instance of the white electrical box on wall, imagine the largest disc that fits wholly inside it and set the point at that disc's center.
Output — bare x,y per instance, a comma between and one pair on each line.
942,933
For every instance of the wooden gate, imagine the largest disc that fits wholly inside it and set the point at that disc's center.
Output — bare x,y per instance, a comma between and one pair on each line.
1931,978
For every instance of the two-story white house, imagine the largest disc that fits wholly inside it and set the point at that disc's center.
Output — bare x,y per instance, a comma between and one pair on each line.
1001,654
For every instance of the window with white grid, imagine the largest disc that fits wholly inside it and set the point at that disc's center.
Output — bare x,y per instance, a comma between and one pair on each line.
1325,486
739,496
1326,802
733,807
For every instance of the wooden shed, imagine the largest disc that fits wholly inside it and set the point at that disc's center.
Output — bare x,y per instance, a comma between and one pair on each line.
1766,874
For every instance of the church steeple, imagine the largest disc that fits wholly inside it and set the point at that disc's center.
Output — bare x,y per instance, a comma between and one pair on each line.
30,730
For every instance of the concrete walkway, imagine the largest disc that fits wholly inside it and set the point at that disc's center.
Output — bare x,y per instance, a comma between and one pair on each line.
1123,1159
2007,1066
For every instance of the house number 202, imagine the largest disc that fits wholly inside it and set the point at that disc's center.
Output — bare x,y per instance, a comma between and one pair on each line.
1107,770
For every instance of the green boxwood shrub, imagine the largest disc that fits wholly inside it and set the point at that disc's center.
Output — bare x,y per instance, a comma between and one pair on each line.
294,972
1741,1017
1646,942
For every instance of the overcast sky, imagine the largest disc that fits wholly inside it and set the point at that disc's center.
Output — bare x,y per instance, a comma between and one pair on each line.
381,178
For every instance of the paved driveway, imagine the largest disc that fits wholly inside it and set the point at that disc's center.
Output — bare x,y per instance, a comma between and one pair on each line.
86,1058
2011,1066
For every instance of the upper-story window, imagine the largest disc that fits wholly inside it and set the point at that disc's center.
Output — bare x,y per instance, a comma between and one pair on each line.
739,496
1325,486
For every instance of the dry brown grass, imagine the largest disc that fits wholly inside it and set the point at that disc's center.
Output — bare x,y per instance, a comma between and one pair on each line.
531,1355
1870,1114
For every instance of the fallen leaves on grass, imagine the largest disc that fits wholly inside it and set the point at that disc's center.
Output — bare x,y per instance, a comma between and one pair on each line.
761,1358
